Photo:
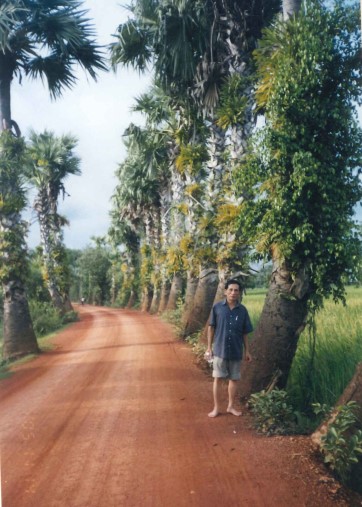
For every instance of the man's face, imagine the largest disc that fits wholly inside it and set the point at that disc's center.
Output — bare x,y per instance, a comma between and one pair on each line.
232,293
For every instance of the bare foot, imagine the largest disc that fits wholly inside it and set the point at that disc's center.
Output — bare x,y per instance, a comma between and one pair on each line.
233,411
214,413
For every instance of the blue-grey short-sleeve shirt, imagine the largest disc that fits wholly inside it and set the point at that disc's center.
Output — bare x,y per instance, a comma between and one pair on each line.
230,327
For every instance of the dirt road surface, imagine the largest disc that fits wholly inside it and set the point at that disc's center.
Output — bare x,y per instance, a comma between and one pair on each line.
116,415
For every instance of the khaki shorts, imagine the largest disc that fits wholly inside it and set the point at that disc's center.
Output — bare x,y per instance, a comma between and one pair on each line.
223,368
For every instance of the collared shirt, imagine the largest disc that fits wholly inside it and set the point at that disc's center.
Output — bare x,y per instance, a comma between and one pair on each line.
230,328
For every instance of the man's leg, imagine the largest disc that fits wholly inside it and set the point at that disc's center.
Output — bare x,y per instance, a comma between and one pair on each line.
216,388
232,387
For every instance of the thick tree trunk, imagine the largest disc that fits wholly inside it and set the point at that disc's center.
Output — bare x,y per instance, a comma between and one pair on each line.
203,300
353,392
165,292
275,339
132,299
67,304
56,298
5,102
191,286
146,299
219,296
290,7
19,336
175,293
155,300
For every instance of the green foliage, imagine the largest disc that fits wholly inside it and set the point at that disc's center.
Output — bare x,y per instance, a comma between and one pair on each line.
341,447
13,257
48,40
303,171
93,268
174,317
338,349
35,286
273,413
191,159
46,319
233,101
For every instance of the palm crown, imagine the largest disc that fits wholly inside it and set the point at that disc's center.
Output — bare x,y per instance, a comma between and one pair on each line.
46,39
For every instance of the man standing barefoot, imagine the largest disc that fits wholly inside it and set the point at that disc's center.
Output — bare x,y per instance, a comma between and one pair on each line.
228,328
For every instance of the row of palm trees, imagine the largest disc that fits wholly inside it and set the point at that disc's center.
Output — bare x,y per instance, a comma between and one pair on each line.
46,40
196,194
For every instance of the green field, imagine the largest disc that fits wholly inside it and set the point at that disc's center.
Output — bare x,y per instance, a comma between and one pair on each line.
337,352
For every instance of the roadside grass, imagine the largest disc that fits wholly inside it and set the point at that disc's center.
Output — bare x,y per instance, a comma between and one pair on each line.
43,345
338,350
46,322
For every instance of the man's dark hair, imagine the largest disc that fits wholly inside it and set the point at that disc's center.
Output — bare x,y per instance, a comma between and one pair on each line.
233,281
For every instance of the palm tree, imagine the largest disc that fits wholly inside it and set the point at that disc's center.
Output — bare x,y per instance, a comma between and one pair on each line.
192,46
19,336
45,39
52,160
304,173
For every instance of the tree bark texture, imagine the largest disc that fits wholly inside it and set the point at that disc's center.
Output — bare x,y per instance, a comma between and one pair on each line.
19,336
42,206
191,286
155,300
219,296
353,392
290,7
146,299
203,301
276,336
5,103
165,292
175,292
131,300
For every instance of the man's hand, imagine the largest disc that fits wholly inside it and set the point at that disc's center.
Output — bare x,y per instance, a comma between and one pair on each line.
248,357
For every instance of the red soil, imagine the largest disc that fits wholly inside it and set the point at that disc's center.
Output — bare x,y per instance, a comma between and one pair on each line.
116,415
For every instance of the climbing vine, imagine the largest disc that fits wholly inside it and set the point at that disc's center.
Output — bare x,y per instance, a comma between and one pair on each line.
304,167
13,256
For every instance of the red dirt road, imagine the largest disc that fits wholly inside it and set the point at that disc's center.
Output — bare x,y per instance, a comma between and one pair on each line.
116,415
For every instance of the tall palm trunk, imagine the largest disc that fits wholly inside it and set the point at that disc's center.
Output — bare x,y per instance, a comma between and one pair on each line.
208,279
191,286
203,301
19,336
156,296
165,293
177,230
165,199
290,7
283,316
175,292
223,276
47,237
132,299
5,102
275,339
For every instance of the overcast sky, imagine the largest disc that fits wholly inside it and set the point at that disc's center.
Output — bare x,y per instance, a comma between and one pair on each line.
97,113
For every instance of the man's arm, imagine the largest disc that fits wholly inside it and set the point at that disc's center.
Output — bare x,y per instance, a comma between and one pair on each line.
246,348
210,338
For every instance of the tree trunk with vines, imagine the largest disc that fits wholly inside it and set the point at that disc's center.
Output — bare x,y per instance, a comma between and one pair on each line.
276,336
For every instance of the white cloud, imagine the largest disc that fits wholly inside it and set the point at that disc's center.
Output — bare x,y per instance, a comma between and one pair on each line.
97,113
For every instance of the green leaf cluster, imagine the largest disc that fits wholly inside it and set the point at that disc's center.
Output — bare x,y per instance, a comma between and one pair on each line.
13,256
303,170
341,447
273,414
